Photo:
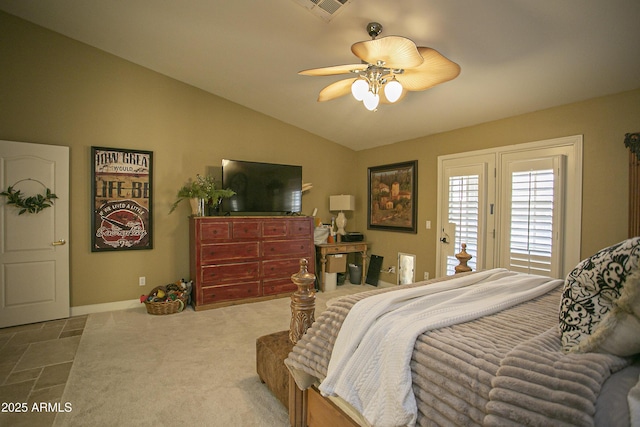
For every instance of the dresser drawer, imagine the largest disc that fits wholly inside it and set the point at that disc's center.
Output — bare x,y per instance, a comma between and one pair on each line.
214,231
281,268
214,274
278,286
277,248
236,291
275,229
229,251
246,229
300,228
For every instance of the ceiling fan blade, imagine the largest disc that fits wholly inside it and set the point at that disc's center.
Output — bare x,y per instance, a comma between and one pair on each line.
434,70
336,90
393,51
332,71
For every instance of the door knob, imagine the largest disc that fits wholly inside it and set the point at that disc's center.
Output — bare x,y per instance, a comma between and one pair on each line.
59,242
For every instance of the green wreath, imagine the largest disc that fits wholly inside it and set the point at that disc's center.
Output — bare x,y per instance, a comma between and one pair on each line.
31,204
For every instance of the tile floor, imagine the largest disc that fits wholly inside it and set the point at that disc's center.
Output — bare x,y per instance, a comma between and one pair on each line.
35,361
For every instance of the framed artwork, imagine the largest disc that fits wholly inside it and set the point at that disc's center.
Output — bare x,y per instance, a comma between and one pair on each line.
121,198
392,195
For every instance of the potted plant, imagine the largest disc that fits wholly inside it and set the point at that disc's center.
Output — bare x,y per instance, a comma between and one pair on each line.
201,192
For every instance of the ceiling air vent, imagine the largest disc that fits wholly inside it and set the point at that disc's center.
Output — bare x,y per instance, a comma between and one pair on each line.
325,9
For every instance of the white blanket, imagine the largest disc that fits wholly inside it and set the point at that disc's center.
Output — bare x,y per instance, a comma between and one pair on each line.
369,365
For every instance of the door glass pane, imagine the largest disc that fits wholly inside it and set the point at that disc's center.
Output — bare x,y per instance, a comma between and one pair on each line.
464,204
531,239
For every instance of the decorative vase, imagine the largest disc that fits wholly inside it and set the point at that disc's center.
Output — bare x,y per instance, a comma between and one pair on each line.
197,206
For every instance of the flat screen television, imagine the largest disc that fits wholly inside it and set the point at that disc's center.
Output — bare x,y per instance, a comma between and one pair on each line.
262,187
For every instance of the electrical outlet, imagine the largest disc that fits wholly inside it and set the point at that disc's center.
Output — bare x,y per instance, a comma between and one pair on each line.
392,269
426,275
142,281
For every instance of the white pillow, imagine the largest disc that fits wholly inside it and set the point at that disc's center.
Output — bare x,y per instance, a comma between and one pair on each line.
619,330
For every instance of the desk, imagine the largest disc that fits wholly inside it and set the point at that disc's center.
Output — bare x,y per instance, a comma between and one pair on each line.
342,248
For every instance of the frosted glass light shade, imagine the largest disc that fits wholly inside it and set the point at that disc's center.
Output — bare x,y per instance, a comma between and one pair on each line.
371,101
393,90
359,89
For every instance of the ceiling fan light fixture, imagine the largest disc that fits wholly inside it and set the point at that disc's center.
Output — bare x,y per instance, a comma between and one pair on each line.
393,90
393,64
359,89
371,101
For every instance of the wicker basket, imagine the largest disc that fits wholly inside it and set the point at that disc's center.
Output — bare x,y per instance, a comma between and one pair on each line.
165,307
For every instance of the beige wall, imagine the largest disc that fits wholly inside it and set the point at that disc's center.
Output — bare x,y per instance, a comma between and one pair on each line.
54,90
603,123
58,91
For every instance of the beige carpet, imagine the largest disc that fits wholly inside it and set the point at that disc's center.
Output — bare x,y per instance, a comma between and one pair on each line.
190,368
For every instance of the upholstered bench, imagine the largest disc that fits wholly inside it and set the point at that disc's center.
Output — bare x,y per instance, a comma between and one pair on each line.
271,350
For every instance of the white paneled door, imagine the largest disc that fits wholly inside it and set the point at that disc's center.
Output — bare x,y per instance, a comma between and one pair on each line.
34,249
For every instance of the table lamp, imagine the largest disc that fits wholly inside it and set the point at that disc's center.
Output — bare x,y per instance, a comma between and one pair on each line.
342,203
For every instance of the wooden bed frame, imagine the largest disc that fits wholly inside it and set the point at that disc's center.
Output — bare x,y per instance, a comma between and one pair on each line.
308,408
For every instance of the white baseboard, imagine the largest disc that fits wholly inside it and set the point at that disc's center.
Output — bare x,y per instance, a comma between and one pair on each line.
135,303
101,308
383,284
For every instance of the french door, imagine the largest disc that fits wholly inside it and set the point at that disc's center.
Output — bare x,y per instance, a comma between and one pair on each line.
466,211
509,206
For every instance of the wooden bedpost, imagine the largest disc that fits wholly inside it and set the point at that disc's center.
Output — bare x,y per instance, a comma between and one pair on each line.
303,302
463,257
303,308
632,141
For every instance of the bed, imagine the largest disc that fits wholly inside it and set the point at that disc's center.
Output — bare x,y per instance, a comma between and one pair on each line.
486,348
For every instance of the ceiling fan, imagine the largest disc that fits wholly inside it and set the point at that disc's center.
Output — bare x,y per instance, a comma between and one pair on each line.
391,66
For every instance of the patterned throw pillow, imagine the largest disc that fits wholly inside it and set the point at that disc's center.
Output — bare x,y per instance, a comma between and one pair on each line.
600,298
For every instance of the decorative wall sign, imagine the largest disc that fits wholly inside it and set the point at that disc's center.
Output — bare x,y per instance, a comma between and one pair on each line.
122,199
393,191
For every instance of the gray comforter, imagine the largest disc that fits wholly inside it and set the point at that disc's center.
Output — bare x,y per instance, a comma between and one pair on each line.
503,369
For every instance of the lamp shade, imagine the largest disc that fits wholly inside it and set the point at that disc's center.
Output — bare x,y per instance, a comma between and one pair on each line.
342,203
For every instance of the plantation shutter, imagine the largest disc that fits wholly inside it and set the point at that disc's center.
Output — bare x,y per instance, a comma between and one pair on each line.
464,206
533,208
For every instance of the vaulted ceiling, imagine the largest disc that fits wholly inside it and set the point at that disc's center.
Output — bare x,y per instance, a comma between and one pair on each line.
516,56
